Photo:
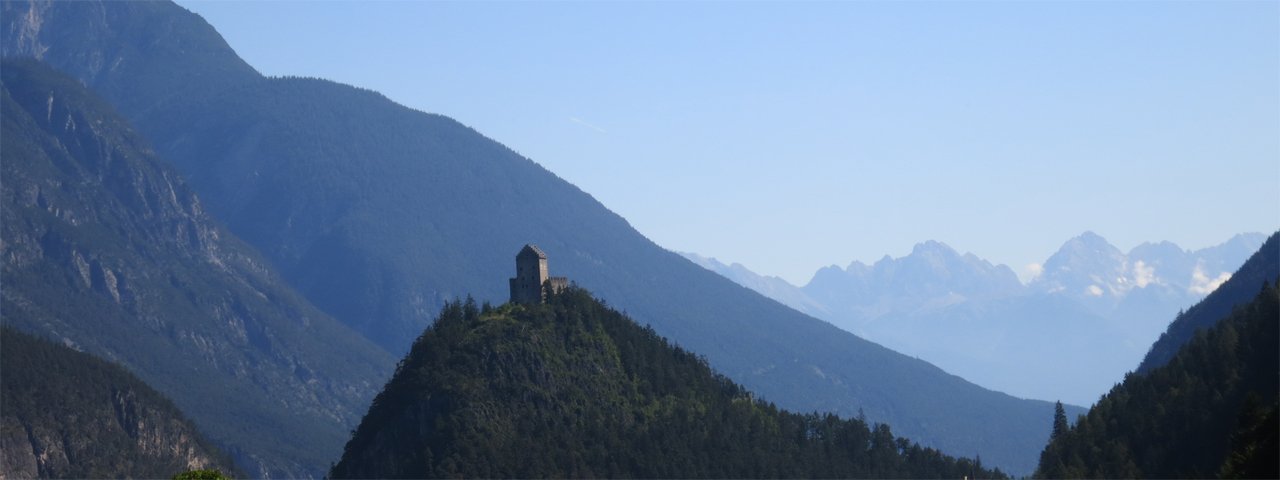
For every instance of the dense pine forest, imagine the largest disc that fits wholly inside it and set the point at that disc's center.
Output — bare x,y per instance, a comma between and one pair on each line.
68,414
1210,411
572,388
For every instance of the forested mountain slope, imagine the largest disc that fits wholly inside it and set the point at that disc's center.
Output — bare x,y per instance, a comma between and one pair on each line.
107,249
379,214
571,388
67,414
1210,411
1262,267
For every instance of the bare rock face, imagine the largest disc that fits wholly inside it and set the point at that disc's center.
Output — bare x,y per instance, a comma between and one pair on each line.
106,248
67,414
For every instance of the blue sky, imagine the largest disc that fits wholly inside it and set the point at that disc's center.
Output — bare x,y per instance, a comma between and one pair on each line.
790,136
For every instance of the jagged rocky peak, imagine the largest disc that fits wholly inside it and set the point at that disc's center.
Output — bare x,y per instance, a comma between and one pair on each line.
1086,247
1086,266
934,247
1162,248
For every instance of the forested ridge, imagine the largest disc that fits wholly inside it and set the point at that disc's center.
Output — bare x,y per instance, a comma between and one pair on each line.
1210,411
68,414
1262,266
572,388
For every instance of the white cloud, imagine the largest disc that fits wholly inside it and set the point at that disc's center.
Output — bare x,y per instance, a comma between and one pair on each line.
1093,291
1201,284
1143,274
1033,270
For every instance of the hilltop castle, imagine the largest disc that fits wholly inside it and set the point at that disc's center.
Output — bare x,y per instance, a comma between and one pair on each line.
531,275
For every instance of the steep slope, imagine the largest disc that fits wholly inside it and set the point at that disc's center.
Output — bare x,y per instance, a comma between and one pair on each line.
378,214
113,43
1262,267
66,414
572,388
1211,410
105,248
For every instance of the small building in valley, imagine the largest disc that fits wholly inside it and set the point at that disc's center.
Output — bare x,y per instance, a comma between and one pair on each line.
532,276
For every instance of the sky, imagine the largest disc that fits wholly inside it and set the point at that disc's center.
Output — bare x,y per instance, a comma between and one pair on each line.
788,136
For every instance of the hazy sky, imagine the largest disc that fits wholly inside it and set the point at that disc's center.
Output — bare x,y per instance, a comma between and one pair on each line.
789,136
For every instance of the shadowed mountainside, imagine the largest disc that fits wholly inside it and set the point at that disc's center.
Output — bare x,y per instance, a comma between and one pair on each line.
67,414
106,249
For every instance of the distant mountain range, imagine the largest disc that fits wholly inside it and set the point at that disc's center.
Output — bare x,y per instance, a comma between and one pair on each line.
1069,333
321,227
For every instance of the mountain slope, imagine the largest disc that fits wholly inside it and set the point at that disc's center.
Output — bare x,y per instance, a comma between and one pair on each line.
378,214
1209,411
1262,267
572,388
66,414
105,248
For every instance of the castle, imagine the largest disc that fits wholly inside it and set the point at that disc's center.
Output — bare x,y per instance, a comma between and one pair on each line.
531,275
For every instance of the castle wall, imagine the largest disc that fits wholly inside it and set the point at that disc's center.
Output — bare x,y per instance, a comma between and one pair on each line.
531,275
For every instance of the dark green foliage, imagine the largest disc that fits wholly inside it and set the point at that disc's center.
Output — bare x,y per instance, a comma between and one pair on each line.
573,388
378,213
1262,267
206,474
1194,417
1255,446
107,249
68,414
1059,421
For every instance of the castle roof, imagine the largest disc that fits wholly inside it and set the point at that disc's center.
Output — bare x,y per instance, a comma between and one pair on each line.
531,249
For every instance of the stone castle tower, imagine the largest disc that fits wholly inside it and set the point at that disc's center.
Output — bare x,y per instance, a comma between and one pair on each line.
531,275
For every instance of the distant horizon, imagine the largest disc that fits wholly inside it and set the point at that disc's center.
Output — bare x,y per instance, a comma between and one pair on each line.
790,137
1024,274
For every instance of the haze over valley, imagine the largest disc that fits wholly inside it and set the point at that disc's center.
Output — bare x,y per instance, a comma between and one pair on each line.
438,239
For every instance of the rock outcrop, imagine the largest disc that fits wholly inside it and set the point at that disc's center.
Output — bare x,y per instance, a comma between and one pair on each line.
67,414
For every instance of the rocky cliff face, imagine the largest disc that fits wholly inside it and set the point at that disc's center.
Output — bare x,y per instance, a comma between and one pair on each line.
106,249
67,414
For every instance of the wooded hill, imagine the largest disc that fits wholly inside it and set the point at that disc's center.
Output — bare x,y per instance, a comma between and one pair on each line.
572,388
